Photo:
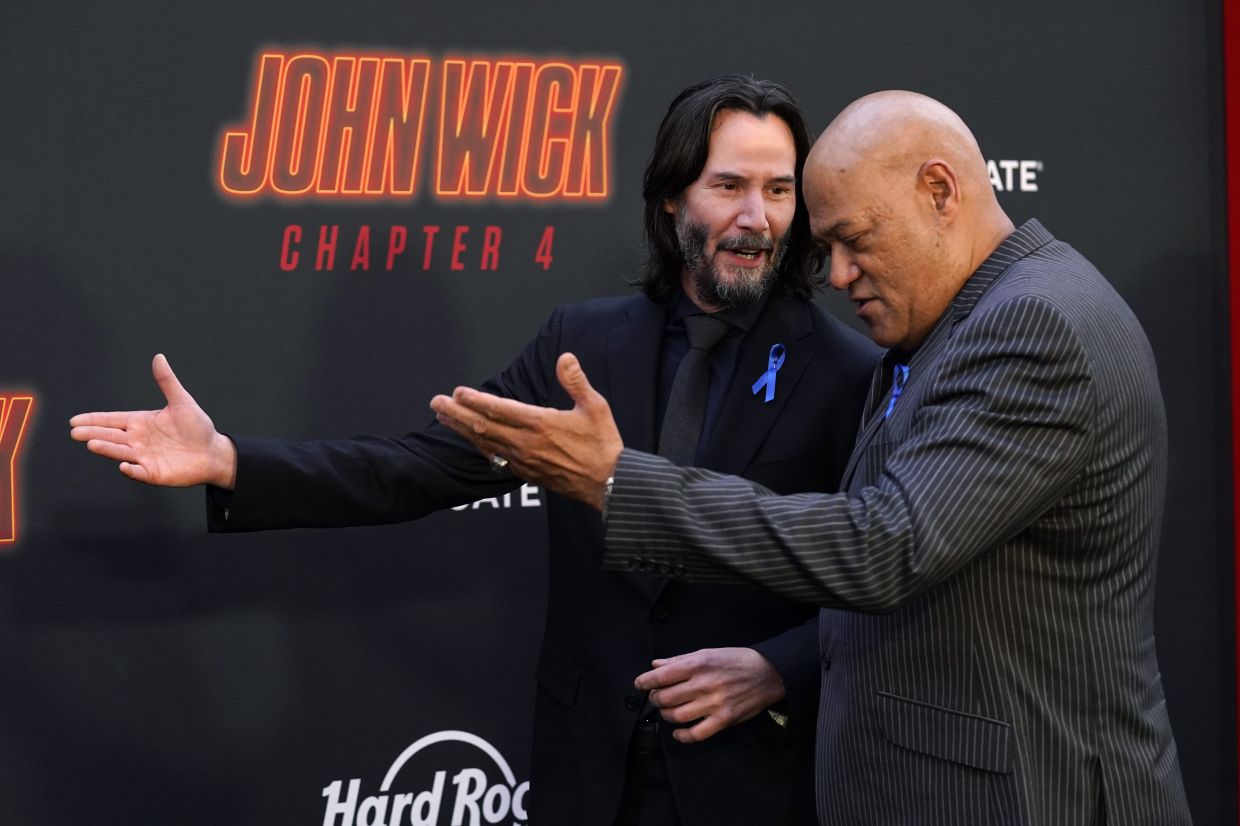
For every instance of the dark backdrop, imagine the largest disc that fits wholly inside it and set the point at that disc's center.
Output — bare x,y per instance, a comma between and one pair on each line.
150,673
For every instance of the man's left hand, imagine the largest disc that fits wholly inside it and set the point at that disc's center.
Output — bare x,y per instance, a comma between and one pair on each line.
572,452
718,687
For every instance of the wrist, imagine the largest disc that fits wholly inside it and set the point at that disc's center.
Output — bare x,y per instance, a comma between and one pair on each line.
223,462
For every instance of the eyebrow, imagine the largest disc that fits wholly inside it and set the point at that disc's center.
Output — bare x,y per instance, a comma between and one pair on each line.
835,230
726,175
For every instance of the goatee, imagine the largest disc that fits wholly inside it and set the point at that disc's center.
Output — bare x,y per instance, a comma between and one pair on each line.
734,287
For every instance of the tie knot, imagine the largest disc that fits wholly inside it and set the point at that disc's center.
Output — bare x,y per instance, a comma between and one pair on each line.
705,331
899,375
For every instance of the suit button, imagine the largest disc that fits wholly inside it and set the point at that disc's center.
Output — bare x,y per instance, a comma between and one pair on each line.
632,702
660,612
664,568
678,570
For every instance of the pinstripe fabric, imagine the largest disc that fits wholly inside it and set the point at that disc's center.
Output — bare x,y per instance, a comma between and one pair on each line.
986,578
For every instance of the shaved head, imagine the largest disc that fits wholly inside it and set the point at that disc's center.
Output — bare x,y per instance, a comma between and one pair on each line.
897,189
893,134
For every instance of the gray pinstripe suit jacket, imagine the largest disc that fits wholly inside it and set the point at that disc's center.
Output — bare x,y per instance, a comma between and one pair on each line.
987,576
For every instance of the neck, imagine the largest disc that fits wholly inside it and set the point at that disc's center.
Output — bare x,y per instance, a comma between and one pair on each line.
990,235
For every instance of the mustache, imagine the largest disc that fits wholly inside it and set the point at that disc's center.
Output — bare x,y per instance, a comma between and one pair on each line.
746,242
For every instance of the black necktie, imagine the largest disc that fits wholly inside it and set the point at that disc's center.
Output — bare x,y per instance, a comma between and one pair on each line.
686,404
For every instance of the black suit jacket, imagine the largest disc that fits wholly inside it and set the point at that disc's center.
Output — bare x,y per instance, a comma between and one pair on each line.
603,628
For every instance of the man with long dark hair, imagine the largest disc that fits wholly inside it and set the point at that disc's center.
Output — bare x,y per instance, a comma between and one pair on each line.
725,732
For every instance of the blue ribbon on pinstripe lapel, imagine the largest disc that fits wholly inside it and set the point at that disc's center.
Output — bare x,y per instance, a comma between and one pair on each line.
774,361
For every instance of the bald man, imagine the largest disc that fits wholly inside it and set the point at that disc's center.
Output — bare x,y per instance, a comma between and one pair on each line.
986,575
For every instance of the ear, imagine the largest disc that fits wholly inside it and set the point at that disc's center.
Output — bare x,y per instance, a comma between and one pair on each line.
669,206
939,181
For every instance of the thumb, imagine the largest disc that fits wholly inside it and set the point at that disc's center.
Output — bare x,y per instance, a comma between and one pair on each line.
573,379
167,381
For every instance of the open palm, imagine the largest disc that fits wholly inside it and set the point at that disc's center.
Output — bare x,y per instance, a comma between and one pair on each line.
177,446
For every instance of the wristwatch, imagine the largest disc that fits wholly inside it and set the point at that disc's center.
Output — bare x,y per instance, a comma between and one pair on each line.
607,486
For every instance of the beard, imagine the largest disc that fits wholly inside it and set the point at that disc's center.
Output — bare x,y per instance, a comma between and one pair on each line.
728,287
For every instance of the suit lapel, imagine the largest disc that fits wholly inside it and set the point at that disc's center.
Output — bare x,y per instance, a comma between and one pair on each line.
633,371
746,418
1028,237
870,422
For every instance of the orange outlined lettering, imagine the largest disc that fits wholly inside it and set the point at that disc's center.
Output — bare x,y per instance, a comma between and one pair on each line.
353,126
550,130
14,414
346,130
299,124
475,112
245,157
399,109
521,129
597,88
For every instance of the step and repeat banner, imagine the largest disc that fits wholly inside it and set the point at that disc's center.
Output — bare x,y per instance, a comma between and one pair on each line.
324,214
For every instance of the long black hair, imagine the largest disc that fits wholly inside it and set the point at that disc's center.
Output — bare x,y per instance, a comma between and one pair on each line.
679,155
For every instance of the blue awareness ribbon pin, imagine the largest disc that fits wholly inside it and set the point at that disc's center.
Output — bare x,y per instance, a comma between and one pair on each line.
767,379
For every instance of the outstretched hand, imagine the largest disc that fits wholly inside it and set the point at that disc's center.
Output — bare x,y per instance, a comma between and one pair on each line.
571,452
716,687
177,446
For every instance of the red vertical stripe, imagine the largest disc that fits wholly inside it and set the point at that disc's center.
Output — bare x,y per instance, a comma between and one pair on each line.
1231,87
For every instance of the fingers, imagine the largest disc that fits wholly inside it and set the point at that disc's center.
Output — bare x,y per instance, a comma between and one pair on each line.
666,672
464,421
679,695
116,451
457,416
167,381
476,430
688,712
672,683
88,433
135,472
703,688
496,411
488,421
706,728
118,420
573,378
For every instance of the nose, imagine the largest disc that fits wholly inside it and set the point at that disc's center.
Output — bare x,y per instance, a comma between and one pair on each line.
752,215
844,270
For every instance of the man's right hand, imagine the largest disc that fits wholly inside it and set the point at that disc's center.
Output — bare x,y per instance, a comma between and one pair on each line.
177,446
